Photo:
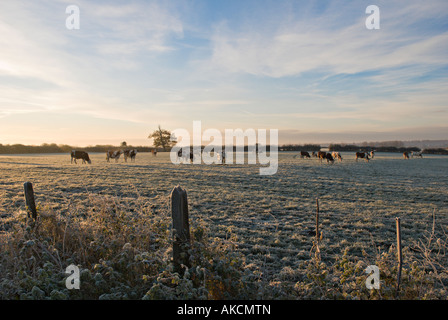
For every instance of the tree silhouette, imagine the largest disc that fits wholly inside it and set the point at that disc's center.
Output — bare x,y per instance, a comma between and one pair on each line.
162,138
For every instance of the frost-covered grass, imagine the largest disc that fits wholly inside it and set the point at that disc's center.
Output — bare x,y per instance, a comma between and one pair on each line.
252,235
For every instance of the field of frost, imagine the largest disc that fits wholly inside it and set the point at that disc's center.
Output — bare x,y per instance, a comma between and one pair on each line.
269,220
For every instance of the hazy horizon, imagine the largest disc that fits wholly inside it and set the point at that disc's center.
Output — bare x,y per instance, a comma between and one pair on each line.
285,137
411,142
310,69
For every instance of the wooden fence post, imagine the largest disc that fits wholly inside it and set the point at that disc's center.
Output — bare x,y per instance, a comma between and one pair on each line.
29,199
317,220
399,254
316,241
181,227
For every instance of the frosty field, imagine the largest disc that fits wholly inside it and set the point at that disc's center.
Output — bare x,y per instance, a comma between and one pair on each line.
271,219
358,201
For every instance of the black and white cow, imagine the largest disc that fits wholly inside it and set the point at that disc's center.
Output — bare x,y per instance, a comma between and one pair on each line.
362,155
129,154
188,155
113,155
80,155
417,154
221,157
329,158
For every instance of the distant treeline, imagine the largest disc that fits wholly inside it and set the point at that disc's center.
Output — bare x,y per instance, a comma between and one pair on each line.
352,147
63,148
436,151
298,147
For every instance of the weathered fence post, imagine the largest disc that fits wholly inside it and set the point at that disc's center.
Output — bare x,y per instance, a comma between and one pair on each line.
316,241
399,254
29,199
181,227
317,220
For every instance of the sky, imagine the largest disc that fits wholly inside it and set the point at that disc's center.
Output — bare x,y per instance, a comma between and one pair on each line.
310,69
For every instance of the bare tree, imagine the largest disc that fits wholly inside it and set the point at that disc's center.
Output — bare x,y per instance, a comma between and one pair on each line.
162,138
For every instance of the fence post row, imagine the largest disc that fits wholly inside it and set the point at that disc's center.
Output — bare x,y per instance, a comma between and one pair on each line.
29,199
181,227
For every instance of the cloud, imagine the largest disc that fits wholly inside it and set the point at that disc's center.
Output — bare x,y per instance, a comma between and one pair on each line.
132,28
44,66
318,43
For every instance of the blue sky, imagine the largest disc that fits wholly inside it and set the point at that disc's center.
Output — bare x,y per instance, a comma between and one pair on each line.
310,69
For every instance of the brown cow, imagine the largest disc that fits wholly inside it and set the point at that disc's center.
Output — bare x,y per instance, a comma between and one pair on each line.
406,155
304,154
336,155
80,155
321,155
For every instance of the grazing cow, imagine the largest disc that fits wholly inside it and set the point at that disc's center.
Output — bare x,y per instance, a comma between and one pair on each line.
329,158
133,154
417,154
154,152
406,155
80,155
222,157
362,155
304,154
129,154
113,155
321,155
187,155
336,155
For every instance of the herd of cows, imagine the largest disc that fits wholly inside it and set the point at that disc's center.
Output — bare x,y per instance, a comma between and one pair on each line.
330,157
84,156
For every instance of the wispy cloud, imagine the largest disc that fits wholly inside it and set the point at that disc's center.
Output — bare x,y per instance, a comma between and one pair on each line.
290,48
37,50
132,28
